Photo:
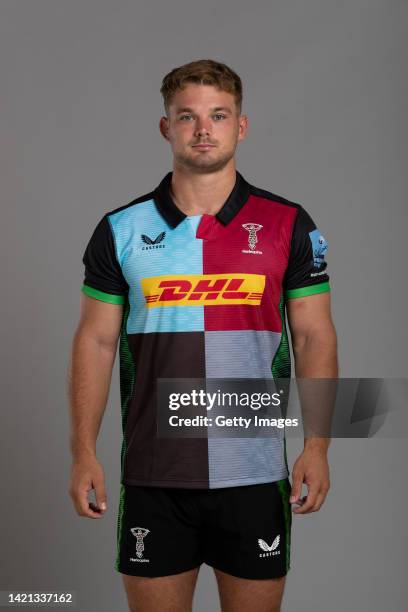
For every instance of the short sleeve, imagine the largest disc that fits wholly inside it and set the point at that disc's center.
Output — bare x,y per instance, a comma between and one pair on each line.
306,273
103,279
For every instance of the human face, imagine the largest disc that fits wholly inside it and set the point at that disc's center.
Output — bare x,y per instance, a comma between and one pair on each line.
203,127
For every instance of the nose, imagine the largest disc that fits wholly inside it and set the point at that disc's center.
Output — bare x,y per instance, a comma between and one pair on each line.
202,127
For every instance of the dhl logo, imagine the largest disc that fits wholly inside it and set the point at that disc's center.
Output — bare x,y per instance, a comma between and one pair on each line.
203,289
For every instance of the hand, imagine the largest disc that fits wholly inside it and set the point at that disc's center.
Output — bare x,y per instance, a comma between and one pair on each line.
87,474
312,468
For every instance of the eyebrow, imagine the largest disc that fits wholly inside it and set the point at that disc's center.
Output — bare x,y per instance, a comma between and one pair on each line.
186,109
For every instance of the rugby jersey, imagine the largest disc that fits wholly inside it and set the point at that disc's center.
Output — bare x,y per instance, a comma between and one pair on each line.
203,296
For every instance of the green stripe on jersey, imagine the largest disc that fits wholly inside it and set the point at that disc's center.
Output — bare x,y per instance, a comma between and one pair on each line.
304,291
127,378
104,297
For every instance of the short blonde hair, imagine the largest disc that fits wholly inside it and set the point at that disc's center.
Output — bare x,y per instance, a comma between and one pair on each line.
202,72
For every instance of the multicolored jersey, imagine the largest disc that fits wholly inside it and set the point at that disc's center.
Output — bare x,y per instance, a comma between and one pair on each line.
203,297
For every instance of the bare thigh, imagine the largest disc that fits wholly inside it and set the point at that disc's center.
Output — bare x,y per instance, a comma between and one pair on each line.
237,594
166,593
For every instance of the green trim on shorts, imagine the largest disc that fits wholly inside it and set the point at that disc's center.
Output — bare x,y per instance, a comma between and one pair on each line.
284,489
119,525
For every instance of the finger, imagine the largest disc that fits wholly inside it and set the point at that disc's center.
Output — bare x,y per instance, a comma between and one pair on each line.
319,501
85,510
297,481
321,496
85,507
316,506
100,495
309,501
302,509
299,502
94,508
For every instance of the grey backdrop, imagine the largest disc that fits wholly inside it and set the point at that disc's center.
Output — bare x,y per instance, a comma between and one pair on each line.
326,95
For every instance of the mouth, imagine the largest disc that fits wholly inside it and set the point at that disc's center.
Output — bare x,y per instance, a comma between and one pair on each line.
203,146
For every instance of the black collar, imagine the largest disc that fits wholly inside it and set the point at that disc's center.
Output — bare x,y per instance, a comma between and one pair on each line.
173,215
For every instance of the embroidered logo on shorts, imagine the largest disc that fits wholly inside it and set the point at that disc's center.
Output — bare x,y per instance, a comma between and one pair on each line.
269,551
140,533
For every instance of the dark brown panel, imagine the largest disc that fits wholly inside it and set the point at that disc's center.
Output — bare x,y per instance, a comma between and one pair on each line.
158,461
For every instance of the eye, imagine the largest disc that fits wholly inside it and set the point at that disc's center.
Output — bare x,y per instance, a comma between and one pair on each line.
184,117
220,115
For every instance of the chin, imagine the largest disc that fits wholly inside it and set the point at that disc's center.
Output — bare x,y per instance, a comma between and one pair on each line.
204,164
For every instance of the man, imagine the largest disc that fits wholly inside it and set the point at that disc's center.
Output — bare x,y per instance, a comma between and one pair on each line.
195,277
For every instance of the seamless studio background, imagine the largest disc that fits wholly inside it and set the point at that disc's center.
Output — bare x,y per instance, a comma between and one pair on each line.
326,94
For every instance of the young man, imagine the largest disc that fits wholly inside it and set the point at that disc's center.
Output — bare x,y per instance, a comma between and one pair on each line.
195,277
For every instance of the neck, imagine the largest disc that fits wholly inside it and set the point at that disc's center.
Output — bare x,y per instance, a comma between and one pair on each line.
197,194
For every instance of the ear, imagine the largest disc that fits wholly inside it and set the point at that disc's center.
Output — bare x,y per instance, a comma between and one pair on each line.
164,127
243,127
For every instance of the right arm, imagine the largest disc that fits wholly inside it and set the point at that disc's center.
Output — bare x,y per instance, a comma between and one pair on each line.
90,370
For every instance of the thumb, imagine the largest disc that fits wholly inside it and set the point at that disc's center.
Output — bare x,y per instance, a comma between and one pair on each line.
296,487
100,494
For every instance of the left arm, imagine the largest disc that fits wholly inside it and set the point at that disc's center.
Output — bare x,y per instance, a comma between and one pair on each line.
314,343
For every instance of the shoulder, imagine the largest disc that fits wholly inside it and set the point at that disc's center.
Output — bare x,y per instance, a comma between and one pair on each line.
147,197
301,218
273,198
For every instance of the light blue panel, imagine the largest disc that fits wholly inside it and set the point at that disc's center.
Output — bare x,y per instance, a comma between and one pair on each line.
244,353
177,252
240,461
194,221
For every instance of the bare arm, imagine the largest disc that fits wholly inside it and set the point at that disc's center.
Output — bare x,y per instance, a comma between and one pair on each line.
314,339
314,343
90,370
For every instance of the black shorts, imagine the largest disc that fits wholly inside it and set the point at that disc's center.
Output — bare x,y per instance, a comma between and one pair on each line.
244,531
